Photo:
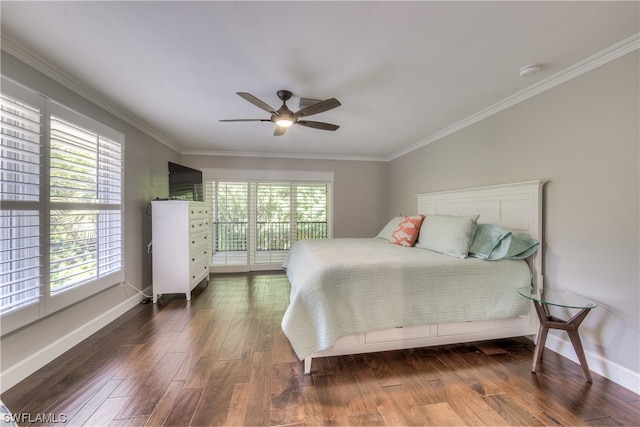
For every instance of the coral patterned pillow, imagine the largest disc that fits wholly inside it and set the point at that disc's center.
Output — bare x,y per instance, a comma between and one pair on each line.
407,232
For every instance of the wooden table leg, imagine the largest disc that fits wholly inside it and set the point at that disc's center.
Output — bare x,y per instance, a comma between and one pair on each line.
542,335
571,326
574,336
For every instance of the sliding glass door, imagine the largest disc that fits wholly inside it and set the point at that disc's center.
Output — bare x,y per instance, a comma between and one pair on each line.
255,222
230,203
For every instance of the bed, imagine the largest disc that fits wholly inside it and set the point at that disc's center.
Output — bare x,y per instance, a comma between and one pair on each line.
352,296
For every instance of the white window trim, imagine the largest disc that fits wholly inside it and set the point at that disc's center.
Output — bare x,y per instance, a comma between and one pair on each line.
49,304
23,316
266,175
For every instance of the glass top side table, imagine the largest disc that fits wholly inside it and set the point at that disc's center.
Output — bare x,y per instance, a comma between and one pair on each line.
541,301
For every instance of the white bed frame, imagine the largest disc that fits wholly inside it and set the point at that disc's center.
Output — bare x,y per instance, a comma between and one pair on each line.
516,206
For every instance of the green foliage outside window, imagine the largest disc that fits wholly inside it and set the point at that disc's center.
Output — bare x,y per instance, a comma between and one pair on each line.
283,214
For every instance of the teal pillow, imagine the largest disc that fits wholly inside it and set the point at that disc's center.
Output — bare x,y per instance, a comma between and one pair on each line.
448,234
490,242
522,246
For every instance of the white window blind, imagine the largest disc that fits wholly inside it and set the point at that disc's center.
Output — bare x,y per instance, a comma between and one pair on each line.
312,211
20,201
272,226
61,206
85,220
230,211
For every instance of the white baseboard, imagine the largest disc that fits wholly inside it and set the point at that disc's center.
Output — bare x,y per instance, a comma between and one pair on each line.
598,364
21,370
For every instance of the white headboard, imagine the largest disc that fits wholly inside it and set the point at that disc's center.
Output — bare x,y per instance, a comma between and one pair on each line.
516,206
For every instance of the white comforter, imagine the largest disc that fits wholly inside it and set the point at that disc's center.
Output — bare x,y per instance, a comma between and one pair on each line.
346,286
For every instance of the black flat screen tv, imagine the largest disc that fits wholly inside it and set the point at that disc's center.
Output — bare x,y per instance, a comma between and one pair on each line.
185,183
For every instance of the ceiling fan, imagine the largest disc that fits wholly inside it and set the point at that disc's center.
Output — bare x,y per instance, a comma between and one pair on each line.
283,117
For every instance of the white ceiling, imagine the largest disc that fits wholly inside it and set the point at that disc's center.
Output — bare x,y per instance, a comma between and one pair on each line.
405,72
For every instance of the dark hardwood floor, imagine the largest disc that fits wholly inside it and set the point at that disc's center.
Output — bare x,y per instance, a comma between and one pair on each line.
223,360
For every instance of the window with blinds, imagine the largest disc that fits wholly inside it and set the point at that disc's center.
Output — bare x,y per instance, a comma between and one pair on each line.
255,223
61,206
20,202
85,222
272,226
312,211
230,211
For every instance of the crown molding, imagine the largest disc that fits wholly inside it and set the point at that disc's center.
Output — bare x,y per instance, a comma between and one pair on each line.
603,57
283,155
20,52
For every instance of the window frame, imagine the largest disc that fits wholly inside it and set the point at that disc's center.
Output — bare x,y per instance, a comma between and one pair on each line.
66,297
20,317
48,302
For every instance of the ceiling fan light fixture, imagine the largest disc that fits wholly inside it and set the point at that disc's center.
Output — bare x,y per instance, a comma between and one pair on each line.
284,122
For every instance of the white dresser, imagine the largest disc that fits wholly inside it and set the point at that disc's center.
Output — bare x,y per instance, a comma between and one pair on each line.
181,233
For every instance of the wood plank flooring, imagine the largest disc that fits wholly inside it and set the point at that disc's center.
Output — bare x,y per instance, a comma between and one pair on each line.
222,359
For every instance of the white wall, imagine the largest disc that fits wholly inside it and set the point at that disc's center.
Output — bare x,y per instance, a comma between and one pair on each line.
583,137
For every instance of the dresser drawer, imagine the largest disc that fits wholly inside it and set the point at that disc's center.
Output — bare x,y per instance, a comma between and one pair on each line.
198,212
199,225
198,256
198,271
198,241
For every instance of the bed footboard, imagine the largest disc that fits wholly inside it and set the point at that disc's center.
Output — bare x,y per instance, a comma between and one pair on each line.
428,336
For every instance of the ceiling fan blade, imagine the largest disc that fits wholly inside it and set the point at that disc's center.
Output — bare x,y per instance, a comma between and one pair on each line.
319,107
317,125
245,120
258,103
280,130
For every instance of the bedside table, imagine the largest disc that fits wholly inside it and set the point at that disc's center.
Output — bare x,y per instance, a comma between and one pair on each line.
548,297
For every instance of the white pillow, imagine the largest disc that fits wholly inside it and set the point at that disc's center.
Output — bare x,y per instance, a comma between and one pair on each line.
448,234
388,229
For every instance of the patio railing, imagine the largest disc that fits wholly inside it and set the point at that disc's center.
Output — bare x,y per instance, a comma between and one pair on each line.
270,236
